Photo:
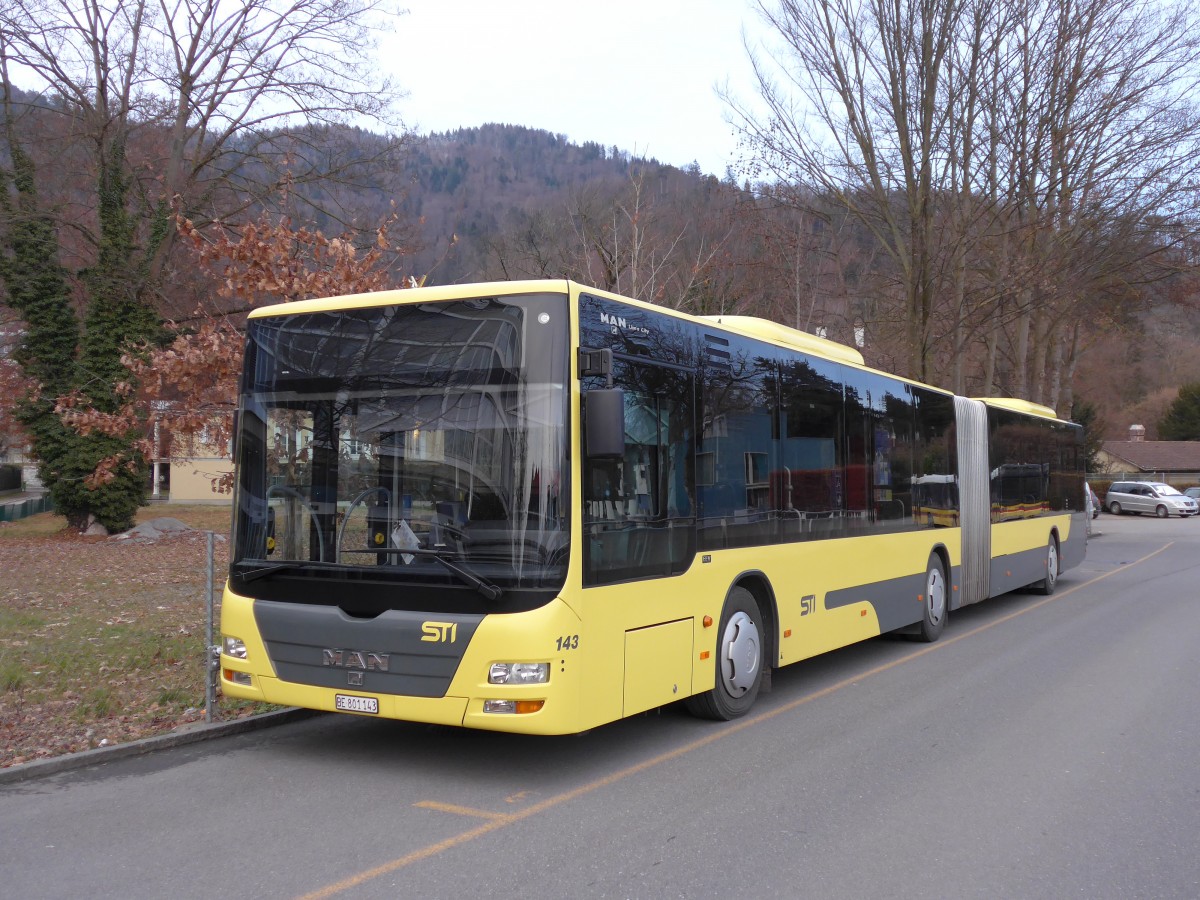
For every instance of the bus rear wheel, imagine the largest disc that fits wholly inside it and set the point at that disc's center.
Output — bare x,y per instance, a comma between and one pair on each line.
934,602
739,661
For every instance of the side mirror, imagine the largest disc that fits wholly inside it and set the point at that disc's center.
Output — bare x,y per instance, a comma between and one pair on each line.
604,421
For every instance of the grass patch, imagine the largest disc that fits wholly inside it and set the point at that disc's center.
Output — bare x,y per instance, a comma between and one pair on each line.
15,621
104,640
201,516
41,525
178,697
12,675
98,704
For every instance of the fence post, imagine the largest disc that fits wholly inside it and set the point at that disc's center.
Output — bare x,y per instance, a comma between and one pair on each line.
211,651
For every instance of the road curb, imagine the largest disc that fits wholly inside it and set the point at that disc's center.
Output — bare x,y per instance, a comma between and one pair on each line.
192,734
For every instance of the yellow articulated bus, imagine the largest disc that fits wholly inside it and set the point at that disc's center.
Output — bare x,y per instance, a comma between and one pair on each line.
539,507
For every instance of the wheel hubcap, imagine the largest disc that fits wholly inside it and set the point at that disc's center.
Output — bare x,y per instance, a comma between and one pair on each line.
740,654
935,595
1052,564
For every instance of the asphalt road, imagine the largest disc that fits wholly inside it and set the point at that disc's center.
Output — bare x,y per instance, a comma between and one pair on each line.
1044,747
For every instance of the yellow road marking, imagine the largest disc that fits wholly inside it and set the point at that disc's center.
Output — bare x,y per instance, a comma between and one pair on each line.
500,821
461,810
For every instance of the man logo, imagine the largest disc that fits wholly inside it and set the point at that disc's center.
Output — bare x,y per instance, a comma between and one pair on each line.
439,632
354,659
615,321
619,324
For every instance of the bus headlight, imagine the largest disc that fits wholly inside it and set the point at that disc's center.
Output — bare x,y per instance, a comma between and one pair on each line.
519,673
234,647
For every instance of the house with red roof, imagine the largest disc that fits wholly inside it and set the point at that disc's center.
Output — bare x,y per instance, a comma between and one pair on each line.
1173,462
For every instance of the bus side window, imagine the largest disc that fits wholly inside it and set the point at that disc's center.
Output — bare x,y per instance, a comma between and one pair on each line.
637,508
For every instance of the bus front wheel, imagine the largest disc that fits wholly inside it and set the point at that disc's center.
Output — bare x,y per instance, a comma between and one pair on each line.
1046,585
934,603
739,660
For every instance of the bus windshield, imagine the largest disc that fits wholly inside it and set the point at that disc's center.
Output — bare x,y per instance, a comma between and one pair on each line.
415,444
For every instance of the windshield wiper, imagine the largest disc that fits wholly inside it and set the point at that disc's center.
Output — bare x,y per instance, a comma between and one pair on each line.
489,590
275,568
485,587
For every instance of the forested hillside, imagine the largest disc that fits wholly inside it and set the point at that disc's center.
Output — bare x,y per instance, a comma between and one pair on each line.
472,197
505,202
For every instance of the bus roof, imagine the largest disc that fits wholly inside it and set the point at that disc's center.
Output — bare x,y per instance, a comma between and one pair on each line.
412,295
766,330
1021,406
751,326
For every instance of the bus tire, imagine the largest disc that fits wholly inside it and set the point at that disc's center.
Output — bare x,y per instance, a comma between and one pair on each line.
934,601
739,661
1047,585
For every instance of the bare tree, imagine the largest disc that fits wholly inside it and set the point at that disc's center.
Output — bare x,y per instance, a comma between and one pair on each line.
1103,147
630,239
1019,162
226,94
810,253
166,104
859,116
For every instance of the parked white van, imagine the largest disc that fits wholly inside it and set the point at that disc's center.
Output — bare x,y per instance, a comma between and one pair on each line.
1148,497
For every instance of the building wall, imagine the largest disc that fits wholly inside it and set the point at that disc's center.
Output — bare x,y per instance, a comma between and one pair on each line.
1110,463
1180,466
192,479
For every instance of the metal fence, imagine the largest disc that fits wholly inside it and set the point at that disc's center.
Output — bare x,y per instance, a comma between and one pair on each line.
1178,480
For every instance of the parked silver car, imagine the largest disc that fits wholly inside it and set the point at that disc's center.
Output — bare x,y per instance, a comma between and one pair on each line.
1148,497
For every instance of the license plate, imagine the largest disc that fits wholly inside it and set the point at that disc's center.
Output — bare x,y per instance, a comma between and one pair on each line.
347,703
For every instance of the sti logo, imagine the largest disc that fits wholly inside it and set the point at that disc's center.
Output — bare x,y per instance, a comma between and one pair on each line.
439,632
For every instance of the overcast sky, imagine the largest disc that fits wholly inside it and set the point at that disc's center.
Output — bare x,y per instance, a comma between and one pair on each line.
638,74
